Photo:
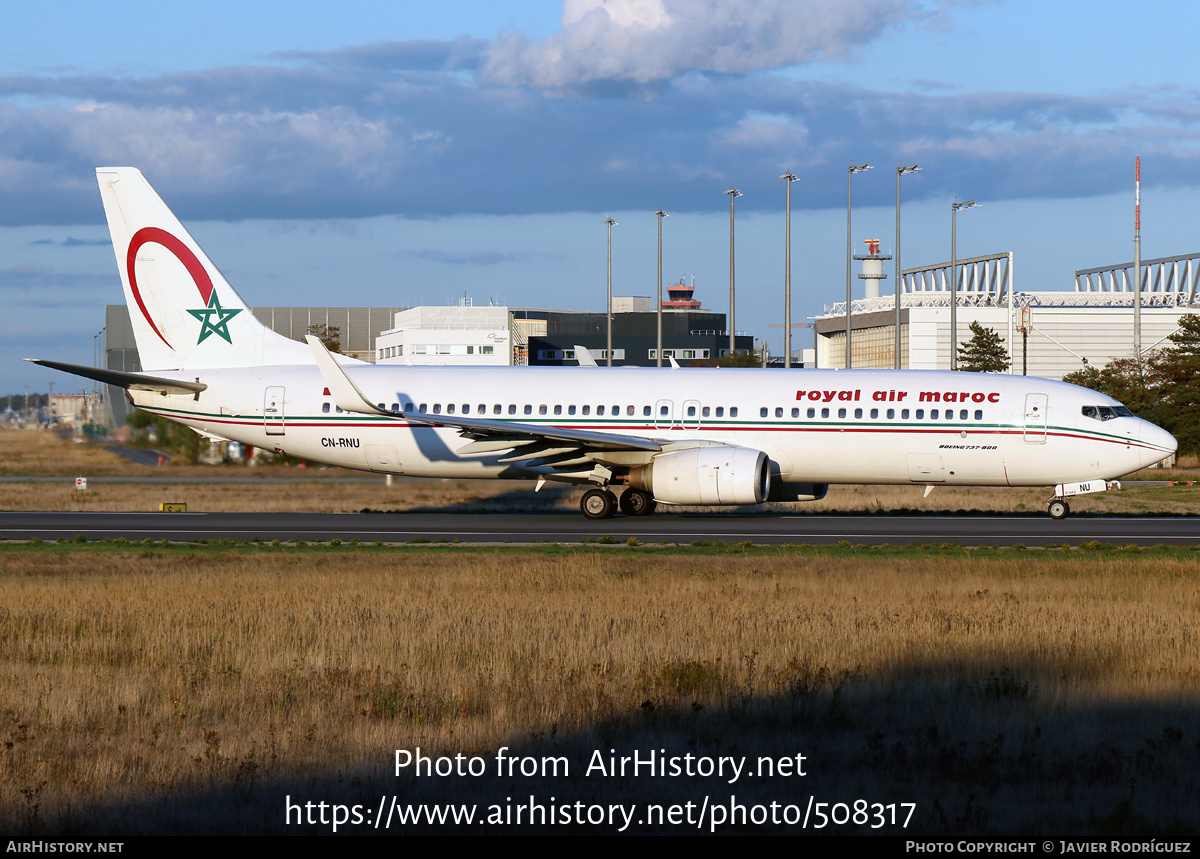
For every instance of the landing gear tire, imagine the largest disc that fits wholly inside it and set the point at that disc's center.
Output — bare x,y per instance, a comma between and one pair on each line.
637,502
598,504
1058,509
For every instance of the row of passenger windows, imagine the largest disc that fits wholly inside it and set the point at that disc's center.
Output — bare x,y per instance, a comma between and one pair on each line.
664,411
498,409
889,414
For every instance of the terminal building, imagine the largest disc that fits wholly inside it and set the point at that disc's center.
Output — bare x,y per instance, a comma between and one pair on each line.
1048,334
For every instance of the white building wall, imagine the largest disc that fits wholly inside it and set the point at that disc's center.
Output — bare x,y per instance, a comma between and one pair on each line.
1061,337
447,335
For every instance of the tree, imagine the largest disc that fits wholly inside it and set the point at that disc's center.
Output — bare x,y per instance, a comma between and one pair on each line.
1177,398
330,335
984,352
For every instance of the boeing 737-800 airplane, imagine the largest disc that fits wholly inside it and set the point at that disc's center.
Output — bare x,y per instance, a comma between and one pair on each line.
677,436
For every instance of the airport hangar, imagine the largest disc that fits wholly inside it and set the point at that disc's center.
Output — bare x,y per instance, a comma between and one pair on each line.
1048,334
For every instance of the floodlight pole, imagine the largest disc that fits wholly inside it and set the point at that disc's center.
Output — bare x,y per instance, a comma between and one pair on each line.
900,171
611,223
658,353
733,193
787,275
954,208
1137,262
850,171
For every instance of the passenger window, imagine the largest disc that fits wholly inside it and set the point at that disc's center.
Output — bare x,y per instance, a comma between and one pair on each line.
795,413
646,411
858,413
933,414
437,408
825,412
542,409
720,411
663,411
841,413
920,414
629,410
408,407
704,412
558,410
570,410
904,414
449,409
874,414
587,410
497,409
778,412
962,414
762,413
395,408
891,414
466,408
599,410
979,414
325,408
528,409
733,411
691,411
812,413
512,408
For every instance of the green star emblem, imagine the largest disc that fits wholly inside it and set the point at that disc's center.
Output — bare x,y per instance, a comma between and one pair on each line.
219,325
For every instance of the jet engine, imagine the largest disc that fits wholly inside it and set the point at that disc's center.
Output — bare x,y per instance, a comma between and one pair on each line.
722,474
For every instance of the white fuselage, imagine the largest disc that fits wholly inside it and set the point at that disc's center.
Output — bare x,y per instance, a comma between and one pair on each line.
816,426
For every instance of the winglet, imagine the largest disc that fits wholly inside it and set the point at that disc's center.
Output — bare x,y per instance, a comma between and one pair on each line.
584,357
345,393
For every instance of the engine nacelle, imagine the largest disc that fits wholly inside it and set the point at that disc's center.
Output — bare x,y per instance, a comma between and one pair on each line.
722,474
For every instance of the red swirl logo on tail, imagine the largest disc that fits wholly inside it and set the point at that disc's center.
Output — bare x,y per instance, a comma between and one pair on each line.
181,251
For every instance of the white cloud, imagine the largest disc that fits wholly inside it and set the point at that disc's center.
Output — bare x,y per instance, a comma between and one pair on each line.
650,41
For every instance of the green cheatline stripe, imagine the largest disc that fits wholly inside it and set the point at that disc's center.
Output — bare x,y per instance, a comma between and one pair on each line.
371,420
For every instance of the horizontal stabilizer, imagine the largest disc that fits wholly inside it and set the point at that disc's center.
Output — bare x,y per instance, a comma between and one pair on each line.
135,381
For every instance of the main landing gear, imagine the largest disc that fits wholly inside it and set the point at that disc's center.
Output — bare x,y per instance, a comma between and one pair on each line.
600,503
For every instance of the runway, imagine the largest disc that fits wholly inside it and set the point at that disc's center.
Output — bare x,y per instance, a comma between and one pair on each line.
1032,530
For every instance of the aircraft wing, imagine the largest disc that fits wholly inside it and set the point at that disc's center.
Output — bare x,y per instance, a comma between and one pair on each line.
562,448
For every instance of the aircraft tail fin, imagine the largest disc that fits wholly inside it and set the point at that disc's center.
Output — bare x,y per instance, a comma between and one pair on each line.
185,314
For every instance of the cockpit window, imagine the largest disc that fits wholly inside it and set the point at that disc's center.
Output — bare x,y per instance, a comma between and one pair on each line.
1106,413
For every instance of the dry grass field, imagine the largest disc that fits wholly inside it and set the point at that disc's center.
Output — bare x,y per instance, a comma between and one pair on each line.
170,689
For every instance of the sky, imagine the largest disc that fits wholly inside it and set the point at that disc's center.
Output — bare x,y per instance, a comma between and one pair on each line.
400,153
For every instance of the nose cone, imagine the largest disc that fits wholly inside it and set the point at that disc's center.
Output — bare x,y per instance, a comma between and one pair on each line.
1157,443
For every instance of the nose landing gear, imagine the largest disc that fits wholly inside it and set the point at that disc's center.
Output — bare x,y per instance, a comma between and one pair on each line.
1058,508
